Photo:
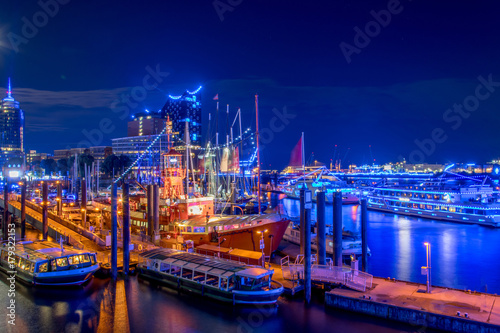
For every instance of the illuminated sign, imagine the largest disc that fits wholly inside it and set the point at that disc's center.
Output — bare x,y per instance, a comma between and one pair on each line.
14,174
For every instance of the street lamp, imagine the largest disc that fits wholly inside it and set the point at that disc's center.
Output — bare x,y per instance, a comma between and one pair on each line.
262,245
427,270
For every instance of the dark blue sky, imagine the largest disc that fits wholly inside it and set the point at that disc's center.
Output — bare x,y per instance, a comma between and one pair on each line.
394,92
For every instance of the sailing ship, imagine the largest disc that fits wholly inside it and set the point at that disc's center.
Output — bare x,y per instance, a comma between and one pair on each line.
226,281
44,263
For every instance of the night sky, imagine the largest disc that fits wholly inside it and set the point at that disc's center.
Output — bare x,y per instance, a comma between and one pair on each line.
392,90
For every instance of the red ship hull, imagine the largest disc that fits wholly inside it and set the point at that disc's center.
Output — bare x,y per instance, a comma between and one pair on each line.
246,238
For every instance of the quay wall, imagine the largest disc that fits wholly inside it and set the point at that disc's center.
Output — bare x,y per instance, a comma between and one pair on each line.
414,317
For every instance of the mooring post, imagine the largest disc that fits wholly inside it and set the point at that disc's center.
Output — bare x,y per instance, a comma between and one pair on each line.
233,197
45,206
59,198
84,203
307,254
337,229
114,231
364,227
320,216
126,227
6,210
23,209
156,213
302,218
149,209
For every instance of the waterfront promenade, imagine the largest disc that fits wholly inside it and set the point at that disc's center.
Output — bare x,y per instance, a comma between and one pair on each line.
446,309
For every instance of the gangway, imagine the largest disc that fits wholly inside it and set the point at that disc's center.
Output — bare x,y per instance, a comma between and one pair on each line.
328,273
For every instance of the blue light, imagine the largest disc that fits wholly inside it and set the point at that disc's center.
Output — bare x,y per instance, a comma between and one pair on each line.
194,92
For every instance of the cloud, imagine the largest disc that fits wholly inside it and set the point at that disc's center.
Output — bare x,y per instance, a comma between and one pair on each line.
84,99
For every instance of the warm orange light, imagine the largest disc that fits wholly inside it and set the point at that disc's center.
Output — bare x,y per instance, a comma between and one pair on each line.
426,244
83,210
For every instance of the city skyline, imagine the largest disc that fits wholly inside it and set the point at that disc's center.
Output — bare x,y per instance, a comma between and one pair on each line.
319,77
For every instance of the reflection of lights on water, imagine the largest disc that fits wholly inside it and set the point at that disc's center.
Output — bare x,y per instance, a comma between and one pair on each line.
354,213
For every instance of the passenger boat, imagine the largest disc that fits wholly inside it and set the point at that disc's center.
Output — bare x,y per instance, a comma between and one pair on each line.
351,243
226,281
44,263
477,204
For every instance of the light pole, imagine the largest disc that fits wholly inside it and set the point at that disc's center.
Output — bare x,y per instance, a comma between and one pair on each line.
262,245
428,270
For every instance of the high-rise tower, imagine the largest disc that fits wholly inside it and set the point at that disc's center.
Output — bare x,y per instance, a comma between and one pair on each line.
11,128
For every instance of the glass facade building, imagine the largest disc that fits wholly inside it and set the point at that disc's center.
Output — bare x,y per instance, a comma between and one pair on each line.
11,128
183,109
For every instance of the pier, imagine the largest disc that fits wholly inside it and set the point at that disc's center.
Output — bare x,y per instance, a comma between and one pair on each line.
444,309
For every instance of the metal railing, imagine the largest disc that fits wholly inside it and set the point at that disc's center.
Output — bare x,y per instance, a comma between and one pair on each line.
351,278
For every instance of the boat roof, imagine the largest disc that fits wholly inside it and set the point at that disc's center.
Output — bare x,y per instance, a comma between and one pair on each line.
43,250
215,220
254,272
203,263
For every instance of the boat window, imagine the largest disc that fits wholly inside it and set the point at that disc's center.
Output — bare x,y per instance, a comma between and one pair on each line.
27,266
73,260
199,229
189,229
84,258
187,273
62,262
175,270
43,267
32,267
4,255
92,259
444,208
212,280
22,263
452,209
246,281
164,267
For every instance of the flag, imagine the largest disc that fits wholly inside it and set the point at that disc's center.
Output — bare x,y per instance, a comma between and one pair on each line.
235,163
224,162
296,158
216,98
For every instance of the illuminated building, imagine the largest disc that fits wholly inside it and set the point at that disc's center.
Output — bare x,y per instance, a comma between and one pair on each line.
11,128
33,156
183,109
146,123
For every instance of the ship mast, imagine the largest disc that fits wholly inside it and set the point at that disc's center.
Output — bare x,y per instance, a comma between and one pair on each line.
258,151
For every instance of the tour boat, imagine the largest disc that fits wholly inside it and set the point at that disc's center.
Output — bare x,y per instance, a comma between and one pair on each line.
226,281
477,204
45,263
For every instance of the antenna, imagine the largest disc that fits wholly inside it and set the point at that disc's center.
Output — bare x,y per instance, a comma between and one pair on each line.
9,90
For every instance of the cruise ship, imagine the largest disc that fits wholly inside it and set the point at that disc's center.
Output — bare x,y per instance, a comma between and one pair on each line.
476,204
